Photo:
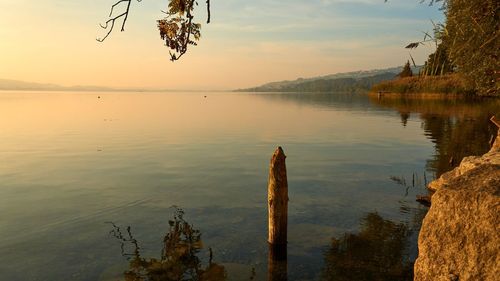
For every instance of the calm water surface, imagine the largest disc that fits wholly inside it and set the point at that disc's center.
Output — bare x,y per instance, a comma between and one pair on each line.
88,185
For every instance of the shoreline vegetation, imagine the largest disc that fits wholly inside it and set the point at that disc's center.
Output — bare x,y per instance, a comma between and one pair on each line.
449,85
465,60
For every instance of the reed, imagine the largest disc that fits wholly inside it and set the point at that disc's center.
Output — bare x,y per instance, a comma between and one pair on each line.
443,84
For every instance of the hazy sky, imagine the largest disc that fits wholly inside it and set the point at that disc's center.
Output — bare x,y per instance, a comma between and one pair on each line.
249,42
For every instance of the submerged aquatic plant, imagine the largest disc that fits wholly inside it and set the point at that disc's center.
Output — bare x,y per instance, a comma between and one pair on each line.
179,255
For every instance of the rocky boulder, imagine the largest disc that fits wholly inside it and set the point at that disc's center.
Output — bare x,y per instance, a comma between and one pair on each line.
460,239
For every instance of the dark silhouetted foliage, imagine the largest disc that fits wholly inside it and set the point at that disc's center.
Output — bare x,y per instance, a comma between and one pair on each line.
438,63
471,43
406,72
473,40
178,29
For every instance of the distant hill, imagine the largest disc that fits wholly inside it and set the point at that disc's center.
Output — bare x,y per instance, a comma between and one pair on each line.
15,85
346,82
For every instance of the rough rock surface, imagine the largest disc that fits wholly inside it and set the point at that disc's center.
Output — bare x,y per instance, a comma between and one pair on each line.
460,239
467,164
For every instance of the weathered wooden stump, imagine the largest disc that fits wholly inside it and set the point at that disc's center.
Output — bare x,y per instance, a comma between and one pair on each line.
277,200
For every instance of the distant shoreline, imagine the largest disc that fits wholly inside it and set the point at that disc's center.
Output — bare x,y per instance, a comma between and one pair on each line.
17,85
112,90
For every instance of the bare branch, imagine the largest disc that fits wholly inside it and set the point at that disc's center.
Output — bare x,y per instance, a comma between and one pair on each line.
111,27
126,15
414,64
114,5
112,19
208,11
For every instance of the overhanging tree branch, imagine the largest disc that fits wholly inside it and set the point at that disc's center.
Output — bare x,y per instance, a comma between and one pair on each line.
109,25
177,29
208,11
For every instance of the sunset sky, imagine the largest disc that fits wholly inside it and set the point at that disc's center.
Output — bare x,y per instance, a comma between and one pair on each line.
248,42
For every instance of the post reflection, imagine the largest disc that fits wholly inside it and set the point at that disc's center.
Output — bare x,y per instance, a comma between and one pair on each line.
277,263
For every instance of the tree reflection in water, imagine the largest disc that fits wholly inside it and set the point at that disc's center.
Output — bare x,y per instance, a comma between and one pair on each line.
457,127
179,256
377,252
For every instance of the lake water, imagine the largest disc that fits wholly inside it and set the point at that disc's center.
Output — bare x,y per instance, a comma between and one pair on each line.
88,185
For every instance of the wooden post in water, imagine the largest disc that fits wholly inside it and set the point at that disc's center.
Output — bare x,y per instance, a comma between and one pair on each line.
277,201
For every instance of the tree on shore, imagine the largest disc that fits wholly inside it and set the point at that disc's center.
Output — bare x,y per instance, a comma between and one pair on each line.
406,72
438,63
473,39
470,40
